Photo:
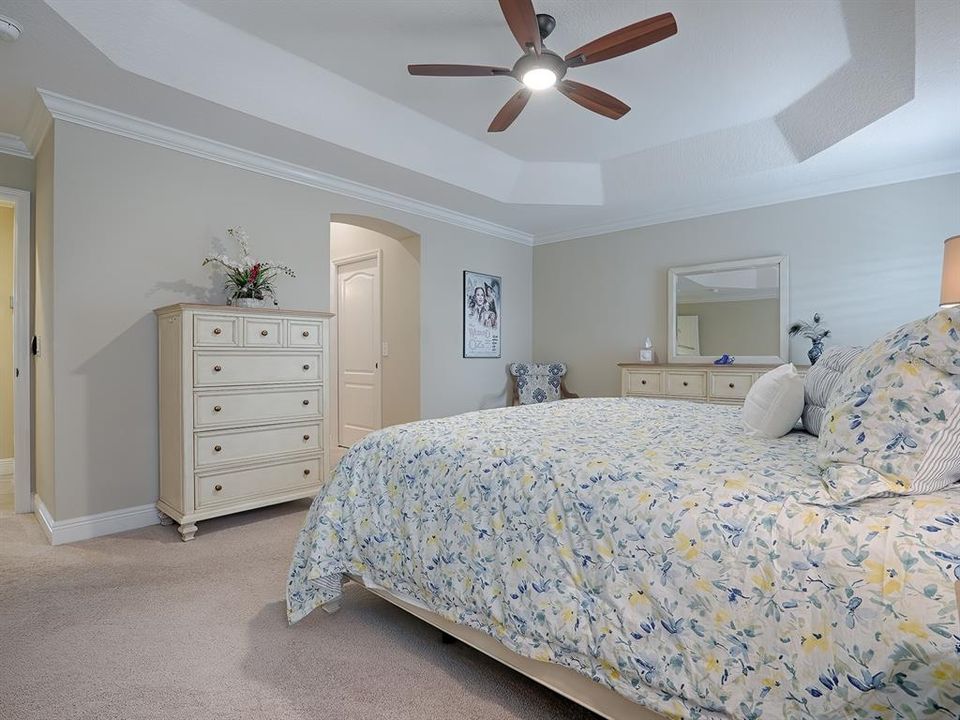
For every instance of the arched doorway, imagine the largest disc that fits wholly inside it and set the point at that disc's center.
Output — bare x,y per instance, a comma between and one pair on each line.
375,358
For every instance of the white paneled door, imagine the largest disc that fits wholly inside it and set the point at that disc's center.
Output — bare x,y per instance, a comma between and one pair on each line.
358,347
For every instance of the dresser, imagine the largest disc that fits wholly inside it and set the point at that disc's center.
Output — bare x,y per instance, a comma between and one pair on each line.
726,384
243,406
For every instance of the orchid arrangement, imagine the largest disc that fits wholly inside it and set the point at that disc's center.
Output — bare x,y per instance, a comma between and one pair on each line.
248,277
814,331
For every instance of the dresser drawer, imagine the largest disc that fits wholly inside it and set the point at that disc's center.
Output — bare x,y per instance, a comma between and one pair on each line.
642,382
238,485
687,384
216,331
233,407
215,447
303,333
262,332
255,367
732,386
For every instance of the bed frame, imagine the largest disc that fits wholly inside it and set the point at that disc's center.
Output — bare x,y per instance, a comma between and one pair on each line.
562,680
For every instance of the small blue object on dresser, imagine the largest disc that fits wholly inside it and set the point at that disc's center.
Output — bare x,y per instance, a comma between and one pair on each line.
725,360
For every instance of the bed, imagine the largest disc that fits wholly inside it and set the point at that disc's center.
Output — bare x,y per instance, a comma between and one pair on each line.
654,549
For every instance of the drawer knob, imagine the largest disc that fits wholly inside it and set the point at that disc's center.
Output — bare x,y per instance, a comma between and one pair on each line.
218,488
306,367
263,332
685,383
643,382
306,402
306,471
217,331
732,386
217,448
217,368
306,437
217,408
306,333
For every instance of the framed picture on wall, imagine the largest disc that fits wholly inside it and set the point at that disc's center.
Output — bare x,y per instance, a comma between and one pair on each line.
481,315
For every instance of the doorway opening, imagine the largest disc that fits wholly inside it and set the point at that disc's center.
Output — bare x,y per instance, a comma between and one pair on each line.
375,358
15,445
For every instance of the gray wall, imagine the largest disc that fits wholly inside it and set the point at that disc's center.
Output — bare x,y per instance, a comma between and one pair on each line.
867,260
43,301
132,224
17,172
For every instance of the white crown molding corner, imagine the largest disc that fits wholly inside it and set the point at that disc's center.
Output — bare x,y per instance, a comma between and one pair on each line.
849,183
38,125
82,113
13,145
59,532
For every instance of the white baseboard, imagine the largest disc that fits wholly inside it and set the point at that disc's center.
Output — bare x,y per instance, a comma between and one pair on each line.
86,527
6,467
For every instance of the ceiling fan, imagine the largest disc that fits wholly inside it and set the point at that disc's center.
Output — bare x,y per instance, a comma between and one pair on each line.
540,68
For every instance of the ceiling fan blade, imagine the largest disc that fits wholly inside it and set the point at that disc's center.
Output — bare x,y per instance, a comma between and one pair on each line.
522,21
593,99
508,113
457,70
625,40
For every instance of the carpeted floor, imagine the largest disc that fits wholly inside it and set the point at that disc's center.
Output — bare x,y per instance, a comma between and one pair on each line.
141,625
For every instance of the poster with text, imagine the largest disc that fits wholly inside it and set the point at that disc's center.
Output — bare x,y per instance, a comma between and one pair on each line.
481,315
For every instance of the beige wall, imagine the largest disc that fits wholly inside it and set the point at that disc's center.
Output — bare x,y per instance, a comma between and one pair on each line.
6,332
740,327
400,317
132,224
867,260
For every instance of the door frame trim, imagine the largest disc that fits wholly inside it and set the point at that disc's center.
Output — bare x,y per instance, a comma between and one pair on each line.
335,264
22,306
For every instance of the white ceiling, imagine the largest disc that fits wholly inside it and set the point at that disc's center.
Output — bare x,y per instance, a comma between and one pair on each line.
669,85
750,103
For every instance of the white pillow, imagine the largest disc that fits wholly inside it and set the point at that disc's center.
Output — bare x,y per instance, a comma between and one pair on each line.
774,403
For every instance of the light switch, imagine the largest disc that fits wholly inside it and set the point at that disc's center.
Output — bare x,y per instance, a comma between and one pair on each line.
385,350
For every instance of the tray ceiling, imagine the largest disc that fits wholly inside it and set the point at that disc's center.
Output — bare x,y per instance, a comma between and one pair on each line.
750,103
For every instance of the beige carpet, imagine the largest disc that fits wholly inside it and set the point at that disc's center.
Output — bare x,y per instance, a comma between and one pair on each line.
140,625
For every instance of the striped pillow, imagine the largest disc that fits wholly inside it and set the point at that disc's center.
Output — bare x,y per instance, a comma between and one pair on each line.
893,425
821,381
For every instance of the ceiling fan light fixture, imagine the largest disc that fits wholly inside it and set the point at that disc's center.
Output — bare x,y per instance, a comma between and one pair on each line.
539,78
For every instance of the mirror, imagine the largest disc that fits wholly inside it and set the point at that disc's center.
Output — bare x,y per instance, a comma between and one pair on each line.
736,308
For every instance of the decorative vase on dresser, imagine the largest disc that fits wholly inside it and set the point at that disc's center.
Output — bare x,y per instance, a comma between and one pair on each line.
243,408
724,384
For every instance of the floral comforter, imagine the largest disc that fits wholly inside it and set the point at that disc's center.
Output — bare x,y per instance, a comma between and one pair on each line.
654,547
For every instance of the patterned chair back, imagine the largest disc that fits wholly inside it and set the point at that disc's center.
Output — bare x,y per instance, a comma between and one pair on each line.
538,382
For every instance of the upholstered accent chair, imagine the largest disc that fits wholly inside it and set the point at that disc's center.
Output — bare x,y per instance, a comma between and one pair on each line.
538,382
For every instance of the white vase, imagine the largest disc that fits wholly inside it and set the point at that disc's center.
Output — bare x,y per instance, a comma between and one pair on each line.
250,302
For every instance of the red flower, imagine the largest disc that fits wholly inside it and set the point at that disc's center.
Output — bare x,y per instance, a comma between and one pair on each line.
254,271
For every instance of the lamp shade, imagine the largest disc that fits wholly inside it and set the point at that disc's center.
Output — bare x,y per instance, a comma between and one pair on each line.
950,287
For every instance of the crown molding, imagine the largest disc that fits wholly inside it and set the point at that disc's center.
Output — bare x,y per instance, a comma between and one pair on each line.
13,145
78,112
850,183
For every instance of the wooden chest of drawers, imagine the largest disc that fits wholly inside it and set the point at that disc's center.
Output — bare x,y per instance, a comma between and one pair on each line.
727,384
243,409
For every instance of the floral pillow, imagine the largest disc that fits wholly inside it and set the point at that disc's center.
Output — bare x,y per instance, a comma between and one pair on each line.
893,424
